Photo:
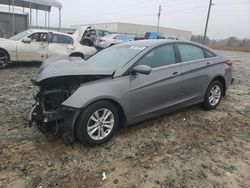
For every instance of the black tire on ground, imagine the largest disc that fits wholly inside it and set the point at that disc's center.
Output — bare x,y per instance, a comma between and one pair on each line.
81,128
4,59
207,103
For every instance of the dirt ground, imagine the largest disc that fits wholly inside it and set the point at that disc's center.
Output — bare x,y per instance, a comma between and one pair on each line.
190,148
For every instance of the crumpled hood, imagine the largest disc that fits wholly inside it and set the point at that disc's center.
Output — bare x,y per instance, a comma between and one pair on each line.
57,66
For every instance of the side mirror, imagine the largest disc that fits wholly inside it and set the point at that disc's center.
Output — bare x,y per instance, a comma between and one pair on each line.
142,69
27,40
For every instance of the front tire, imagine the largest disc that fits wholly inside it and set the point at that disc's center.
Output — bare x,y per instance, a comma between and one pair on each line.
4,59
213,95
97,123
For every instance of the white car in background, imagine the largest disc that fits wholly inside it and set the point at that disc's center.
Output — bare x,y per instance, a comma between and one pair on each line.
38,45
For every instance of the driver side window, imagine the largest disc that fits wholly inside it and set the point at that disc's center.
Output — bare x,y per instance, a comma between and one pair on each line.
160,56
39,37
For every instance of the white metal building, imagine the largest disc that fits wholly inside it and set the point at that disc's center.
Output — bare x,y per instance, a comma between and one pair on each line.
139,29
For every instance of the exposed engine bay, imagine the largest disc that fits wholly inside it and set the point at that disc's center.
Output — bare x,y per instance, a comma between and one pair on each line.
48,113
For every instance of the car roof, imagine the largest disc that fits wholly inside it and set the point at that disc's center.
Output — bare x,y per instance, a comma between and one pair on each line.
147,42
47,30
113,35
156,42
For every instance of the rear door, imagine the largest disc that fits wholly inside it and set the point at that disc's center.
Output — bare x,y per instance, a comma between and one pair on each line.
161,88
61,44
195,68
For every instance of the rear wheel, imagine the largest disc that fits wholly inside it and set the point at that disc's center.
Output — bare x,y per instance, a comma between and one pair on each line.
4,59
97,123
213,95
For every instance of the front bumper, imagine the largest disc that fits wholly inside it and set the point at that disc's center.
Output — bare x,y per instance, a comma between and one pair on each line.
64,120
37,115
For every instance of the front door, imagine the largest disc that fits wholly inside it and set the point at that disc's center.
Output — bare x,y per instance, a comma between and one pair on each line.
161,88
36,50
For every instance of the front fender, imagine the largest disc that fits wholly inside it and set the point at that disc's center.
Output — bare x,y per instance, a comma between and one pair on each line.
113,89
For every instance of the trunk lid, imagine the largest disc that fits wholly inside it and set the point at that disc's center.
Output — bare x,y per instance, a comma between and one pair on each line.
79,32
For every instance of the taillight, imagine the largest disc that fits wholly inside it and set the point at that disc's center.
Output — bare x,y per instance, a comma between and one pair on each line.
229,63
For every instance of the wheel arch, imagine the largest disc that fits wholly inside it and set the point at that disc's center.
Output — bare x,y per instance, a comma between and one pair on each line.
222,80
77,54
121,112
6,52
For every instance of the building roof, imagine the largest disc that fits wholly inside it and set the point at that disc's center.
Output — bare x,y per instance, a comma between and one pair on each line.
35,4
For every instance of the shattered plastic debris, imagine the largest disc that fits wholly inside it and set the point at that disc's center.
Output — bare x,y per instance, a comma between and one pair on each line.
104,177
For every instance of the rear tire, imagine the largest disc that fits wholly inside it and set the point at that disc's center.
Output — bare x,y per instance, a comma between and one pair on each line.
213,95
97,123
4,59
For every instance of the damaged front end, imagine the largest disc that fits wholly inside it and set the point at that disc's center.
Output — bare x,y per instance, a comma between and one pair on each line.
58,78
49,114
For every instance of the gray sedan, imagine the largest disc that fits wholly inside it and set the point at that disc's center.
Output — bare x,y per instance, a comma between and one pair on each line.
125,84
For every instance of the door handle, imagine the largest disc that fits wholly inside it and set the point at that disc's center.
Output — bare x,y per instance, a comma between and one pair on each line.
175,74
42,45
208,63
71,48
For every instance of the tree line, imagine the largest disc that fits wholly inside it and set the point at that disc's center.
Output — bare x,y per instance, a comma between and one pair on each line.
230,41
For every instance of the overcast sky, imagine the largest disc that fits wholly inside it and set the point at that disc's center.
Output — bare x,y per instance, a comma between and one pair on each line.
228,17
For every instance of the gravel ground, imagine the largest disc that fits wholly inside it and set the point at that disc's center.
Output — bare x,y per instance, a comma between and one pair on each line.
190,148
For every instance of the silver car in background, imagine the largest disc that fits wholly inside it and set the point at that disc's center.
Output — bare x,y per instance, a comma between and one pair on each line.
113,39
124,84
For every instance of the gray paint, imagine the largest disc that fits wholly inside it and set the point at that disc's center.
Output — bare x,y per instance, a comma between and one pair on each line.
143,96
68,66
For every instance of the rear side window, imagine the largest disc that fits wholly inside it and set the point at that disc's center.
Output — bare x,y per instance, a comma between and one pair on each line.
209,54
160,56
190,52
103,33
62,39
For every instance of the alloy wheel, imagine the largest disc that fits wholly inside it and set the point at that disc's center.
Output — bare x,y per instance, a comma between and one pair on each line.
4,59
100,124
214,95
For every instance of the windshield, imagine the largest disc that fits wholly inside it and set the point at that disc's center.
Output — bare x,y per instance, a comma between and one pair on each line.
115,57
19,36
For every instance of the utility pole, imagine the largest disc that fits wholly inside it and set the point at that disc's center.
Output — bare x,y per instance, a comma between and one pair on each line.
208,14
159,15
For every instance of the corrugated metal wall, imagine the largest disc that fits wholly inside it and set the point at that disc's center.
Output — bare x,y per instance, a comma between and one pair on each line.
6,24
